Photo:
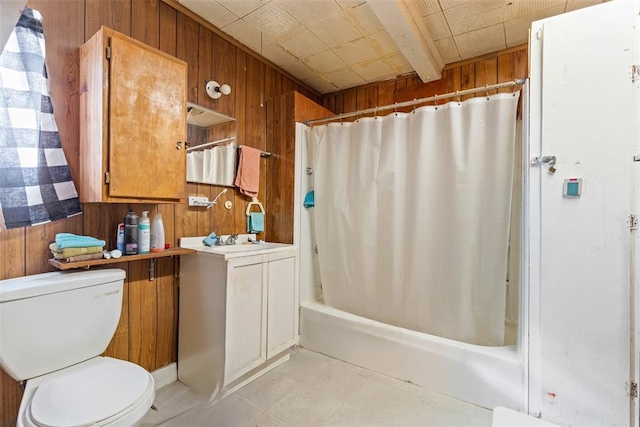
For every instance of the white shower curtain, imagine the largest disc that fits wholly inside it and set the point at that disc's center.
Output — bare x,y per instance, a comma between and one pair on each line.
412,216
215,165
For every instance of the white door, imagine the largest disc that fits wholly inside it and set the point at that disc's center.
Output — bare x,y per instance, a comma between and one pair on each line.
581,113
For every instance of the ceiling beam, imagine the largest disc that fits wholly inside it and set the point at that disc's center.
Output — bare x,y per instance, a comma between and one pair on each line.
414,41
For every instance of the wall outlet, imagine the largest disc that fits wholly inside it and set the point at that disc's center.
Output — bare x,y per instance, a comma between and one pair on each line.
199,201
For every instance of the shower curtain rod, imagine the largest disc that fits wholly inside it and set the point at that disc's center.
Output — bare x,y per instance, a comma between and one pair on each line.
457,93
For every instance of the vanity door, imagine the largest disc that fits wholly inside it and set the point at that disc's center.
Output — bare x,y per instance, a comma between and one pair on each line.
246,316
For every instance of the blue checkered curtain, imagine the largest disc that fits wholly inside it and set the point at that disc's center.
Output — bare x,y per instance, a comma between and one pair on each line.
35,183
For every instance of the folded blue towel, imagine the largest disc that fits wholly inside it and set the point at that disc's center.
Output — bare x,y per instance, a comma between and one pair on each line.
255,222
211,239
68,240
309,200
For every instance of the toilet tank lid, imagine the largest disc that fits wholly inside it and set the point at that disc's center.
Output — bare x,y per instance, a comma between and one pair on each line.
49,283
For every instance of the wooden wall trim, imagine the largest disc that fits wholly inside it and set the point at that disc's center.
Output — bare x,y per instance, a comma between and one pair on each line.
413,79
184,10
484,57
502,66
282,114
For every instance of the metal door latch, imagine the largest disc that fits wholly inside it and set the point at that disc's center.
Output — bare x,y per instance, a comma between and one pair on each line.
549,161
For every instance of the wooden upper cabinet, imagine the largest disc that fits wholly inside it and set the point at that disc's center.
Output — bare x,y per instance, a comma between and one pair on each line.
133,122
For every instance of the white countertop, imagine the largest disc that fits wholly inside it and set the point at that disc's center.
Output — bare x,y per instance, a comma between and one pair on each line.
240,249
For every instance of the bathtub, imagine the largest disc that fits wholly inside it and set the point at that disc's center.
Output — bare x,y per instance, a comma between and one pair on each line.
484,376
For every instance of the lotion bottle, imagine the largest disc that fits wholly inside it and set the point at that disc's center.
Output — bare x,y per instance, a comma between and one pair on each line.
144,233
157,234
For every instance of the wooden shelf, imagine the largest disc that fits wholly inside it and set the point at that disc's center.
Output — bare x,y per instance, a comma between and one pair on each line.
125,258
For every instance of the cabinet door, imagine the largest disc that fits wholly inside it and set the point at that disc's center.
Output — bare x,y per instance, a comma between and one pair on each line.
282,306
147,122
246,320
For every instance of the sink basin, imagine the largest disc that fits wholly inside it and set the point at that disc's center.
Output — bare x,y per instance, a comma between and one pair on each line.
243,248
240,249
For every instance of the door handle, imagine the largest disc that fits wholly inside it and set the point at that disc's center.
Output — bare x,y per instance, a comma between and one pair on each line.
549,161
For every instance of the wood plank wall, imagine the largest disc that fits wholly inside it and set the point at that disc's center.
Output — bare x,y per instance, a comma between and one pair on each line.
285,110
148,326
498,67
282,114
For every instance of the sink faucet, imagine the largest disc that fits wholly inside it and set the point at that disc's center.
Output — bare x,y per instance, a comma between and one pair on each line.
231,240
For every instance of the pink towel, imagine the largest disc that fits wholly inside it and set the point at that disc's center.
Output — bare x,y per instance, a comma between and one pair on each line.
248,177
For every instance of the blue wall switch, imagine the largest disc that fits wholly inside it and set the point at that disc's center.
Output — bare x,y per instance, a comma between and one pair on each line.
572,187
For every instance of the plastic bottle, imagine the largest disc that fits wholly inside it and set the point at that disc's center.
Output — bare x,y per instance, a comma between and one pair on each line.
120,238
131,233
144,233
157,234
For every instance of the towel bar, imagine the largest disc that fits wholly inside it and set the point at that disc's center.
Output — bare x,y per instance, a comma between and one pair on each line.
254,202
220,142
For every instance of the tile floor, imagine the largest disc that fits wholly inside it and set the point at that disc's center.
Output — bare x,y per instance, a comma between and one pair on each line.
315,390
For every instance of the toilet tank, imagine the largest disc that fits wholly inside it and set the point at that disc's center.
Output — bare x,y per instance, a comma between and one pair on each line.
53,320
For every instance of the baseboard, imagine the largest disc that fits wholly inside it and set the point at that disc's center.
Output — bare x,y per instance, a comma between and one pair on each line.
165,375
256,373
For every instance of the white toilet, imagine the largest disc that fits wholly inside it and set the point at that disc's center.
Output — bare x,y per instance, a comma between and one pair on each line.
53,326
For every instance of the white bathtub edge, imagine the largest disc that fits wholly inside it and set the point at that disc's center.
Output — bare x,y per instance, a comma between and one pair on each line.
484,376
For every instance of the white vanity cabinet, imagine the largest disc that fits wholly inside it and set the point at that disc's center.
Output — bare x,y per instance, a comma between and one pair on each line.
261,311
238,313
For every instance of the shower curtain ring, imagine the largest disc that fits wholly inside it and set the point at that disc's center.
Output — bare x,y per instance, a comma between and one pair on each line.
414,105
458,96
486,91
436,99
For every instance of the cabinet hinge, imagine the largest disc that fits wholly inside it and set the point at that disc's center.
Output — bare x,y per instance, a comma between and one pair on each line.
106,177
633,389
108,52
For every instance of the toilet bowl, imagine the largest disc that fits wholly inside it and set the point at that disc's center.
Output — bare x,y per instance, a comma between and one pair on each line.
54,326
98,392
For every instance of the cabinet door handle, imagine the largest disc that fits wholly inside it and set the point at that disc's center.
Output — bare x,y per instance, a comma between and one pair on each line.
178,145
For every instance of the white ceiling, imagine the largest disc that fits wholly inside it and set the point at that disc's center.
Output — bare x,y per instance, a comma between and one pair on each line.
337,44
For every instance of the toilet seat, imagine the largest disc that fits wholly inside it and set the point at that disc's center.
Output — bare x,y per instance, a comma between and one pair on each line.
97,392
